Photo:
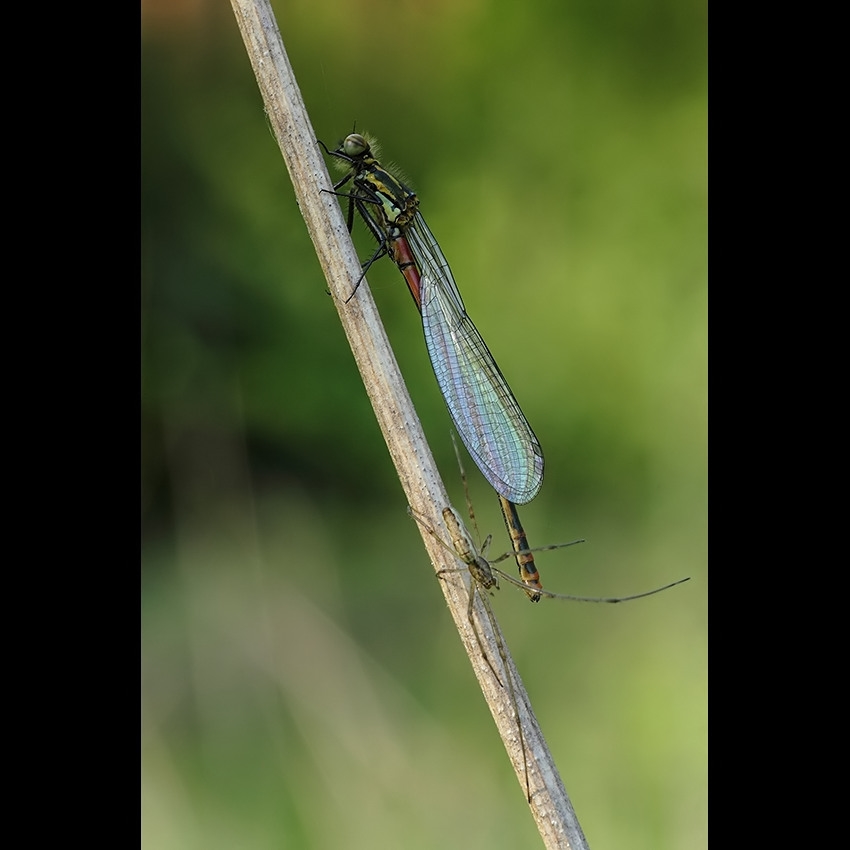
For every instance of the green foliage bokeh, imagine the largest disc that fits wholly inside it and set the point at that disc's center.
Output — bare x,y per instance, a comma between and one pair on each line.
303,685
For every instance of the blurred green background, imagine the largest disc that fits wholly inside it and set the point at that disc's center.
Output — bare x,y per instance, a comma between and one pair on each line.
303,686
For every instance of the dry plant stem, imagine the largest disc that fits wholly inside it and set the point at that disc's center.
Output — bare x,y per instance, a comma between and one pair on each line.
397,419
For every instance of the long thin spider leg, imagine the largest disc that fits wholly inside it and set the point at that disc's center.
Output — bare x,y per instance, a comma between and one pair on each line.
482,579
474,588
463,478
606,599
535,549
508,675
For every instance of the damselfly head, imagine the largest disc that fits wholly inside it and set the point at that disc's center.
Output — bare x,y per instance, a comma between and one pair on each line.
355,145
360,146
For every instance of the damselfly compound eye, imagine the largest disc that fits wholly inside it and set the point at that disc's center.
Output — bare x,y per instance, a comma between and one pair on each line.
355,145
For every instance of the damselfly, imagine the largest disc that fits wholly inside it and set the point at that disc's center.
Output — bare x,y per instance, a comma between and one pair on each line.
482,406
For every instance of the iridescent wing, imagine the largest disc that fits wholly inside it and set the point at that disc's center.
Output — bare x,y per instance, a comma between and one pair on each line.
482,406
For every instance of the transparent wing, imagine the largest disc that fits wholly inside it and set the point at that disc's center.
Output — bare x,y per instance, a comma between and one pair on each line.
485,412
